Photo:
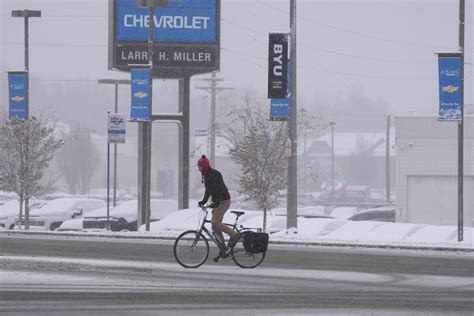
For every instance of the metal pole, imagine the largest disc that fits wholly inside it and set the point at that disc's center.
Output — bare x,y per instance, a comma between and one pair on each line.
147,125
116,83
213,120
292,207
186,139
108,174
115,150
461,128
181,200
387,162
27,46
305,162
332,161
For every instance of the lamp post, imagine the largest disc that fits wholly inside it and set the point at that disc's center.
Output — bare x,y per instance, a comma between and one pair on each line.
115,82
26,14
332,160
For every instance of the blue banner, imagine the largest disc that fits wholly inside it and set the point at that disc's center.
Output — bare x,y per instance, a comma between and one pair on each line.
18,95
181,21
280,108
140,94
450,86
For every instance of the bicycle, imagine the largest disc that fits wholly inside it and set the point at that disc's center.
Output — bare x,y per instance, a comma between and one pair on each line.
191,248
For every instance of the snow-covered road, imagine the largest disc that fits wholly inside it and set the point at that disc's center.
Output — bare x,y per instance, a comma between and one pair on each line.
100,277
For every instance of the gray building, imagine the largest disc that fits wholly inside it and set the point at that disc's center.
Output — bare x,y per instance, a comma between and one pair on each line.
426,170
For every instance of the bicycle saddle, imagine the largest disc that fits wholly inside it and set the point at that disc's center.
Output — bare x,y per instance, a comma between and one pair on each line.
238,213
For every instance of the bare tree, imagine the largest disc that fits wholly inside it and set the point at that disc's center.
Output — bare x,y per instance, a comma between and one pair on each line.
26,149
258,145
77,159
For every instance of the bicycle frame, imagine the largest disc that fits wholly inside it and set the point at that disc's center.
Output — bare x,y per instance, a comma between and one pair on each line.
211,236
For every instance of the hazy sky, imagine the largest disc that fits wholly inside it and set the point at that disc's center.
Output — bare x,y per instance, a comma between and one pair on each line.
386,48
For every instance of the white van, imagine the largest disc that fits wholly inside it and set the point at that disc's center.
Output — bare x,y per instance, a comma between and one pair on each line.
53,213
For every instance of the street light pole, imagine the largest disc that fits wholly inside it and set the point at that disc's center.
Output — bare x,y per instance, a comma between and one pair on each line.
26,14
145,127
292,190
116,83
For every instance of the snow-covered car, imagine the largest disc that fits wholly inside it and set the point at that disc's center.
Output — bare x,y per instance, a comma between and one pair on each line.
73,224
9,211
380,214
343,212
123,217
55,212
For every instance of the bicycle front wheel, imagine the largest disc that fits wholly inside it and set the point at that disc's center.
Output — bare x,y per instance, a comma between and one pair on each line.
191,249
244,259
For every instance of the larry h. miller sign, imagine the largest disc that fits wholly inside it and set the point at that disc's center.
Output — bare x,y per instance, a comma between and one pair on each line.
186,37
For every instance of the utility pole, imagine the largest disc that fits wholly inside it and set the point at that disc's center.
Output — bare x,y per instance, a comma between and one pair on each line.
292,190
116,83
213,88
461,127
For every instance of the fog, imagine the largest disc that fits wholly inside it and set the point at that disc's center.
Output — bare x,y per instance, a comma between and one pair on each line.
378,54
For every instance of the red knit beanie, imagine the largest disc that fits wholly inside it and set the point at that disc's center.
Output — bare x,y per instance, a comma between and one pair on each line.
203,163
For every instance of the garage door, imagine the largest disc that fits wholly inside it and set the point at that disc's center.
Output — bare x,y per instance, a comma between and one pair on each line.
433,200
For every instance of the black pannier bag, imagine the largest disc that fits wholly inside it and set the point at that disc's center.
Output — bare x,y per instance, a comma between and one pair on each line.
255,242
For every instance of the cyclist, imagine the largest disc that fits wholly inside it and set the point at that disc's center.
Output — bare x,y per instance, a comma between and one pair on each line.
216,188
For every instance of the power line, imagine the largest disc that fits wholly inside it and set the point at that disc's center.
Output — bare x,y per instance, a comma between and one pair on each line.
344,30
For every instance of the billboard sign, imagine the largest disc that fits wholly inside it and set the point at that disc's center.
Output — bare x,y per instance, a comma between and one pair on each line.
141,94
186,37
450,86
116,128
18,94
277,65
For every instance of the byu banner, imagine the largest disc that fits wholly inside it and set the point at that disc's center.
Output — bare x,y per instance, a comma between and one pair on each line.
277,65
140,94
450,88
18,94
180,21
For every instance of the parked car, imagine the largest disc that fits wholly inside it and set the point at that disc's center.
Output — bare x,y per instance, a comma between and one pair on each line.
9,211
55,212
380,214
123,217
73,224
343,212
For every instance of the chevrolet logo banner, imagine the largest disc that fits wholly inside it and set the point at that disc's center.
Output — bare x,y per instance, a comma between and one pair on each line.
450,89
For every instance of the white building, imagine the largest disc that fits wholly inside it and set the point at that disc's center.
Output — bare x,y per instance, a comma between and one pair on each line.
426,168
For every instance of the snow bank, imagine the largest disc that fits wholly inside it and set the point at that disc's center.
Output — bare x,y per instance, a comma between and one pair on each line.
322,230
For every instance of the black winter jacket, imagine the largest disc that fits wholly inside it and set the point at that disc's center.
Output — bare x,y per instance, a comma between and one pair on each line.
215,187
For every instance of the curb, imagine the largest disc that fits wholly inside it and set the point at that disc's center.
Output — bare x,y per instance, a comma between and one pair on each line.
276,242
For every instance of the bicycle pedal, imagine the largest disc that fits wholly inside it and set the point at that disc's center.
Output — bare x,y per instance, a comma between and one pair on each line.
217,259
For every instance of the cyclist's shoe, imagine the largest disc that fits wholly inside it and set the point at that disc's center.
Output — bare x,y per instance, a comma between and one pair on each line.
217,258
233,240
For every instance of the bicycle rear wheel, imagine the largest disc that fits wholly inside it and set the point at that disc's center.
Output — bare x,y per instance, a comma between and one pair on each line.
191,249
244,259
